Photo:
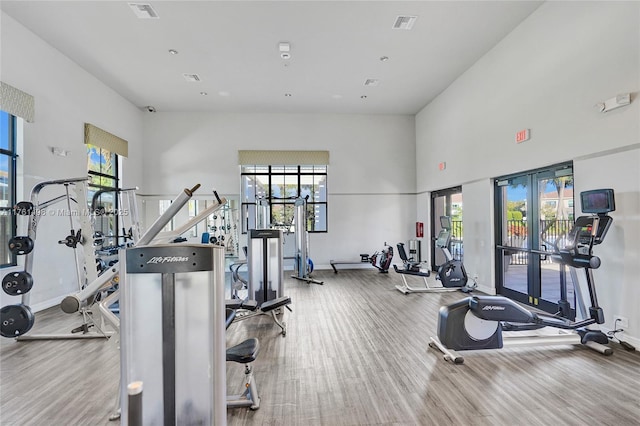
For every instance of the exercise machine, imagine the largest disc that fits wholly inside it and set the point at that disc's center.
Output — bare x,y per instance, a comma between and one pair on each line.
379,260
451,273
172,329
412,268
247,308
303,264
16,320
478,322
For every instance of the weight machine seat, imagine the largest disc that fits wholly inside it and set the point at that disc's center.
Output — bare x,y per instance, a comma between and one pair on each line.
403,255
408,272
244,352
270,305
250,305
233,303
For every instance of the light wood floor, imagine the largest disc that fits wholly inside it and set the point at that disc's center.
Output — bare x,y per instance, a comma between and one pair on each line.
356,353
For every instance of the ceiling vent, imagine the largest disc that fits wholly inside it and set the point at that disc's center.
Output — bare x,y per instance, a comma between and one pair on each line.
371,82
144,10
404,22
191,78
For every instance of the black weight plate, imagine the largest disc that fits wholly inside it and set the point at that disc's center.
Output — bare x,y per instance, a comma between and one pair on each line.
17,283
21,245
15,320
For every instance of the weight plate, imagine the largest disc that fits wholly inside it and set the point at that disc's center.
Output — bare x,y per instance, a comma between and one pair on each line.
21,245
17,283
15,320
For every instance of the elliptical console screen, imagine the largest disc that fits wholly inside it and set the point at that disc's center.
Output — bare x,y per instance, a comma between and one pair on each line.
598,201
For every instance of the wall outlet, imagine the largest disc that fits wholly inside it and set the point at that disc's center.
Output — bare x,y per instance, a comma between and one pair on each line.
620,322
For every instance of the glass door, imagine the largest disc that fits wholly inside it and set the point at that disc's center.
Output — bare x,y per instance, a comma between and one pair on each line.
533,210
447,202
555,216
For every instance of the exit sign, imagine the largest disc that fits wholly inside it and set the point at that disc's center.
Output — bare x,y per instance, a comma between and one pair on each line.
522,135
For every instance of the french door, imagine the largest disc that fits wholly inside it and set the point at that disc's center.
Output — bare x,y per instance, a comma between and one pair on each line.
446,202
533,210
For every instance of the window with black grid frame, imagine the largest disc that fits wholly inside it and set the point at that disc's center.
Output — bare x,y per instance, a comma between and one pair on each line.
280,186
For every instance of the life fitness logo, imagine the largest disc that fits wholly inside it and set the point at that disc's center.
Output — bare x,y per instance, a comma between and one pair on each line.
167,259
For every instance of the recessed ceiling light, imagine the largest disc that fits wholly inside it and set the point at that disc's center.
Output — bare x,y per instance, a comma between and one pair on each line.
173,51
204,93
223,93
363,97
384,58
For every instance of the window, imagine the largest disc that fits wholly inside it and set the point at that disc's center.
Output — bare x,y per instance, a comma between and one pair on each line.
7,186
281,185
102,166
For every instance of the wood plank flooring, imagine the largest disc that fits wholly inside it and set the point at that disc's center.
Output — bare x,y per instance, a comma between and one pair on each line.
356,353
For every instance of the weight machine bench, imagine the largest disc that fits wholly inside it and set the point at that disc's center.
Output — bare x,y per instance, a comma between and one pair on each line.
249,308
244,353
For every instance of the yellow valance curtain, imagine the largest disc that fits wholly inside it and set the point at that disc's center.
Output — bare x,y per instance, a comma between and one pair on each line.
96,136
16,102
283,158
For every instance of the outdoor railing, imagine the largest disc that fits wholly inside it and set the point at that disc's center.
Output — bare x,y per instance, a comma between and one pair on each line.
550,231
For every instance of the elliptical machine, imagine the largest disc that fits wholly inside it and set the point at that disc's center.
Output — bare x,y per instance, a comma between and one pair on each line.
478,322
451,273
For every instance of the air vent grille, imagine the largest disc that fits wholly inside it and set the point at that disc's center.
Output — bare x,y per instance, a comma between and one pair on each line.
404,22
191,78
144,11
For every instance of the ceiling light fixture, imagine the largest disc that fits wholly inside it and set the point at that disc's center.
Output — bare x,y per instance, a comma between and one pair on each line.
173,51
384,58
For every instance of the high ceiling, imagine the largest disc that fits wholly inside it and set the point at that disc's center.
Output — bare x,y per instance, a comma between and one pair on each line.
233,47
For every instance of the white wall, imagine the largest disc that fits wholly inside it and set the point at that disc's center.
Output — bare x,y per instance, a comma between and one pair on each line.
371,176
66,97
545,76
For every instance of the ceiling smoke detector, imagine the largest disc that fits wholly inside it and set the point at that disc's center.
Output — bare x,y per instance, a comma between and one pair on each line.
404,22
191,78
144,11
285,50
